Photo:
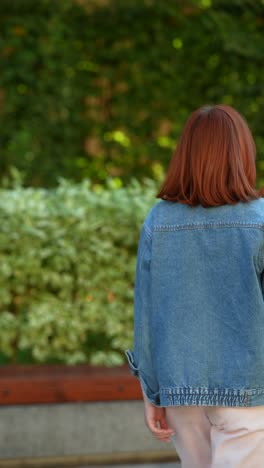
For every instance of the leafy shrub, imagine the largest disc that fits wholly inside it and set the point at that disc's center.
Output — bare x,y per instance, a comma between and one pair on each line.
67,262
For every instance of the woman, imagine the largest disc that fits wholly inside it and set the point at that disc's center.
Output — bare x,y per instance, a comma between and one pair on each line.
199,298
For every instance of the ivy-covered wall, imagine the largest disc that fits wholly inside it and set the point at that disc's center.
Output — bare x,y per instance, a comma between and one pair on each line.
98,88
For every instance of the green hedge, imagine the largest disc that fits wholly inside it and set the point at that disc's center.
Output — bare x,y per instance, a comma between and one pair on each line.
92,88
67,263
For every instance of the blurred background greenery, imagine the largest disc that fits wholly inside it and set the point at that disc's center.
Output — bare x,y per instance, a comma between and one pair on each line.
99,88
93,97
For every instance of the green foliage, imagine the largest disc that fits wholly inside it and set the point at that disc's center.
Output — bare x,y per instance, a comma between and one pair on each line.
93,88
67,264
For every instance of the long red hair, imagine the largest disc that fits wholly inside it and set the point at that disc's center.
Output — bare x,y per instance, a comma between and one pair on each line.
214,162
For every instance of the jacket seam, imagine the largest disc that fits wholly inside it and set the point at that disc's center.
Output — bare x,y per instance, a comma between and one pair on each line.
191,226
193,390
148,244
148,231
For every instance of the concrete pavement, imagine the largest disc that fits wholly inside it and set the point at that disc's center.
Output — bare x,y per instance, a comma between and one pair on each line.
145,465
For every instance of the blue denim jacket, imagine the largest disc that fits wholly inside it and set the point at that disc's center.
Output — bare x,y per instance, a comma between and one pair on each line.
199,305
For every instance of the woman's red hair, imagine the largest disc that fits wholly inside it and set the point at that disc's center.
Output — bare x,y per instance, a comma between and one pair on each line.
214,162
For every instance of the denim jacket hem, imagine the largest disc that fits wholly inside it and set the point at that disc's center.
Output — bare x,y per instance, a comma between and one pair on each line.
196,396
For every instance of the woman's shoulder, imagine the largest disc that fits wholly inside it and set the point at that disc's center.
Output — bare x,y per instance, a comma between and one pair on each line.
168,212
255,210
157,212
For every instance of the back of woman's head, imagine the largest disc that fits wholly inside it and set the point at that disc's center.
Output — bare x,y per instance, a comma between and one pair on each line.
214,162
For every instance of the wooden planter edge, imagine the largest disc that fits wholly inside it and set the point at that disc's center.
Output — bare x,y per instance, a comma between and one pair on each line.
61,383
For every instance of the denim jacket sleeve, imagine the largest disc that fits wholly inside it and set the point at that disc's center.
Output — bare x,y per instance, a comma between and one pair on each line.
140,361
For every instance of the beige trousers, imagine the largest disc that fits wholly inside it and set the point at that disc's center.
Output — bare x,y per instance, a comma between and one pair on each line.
218,437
